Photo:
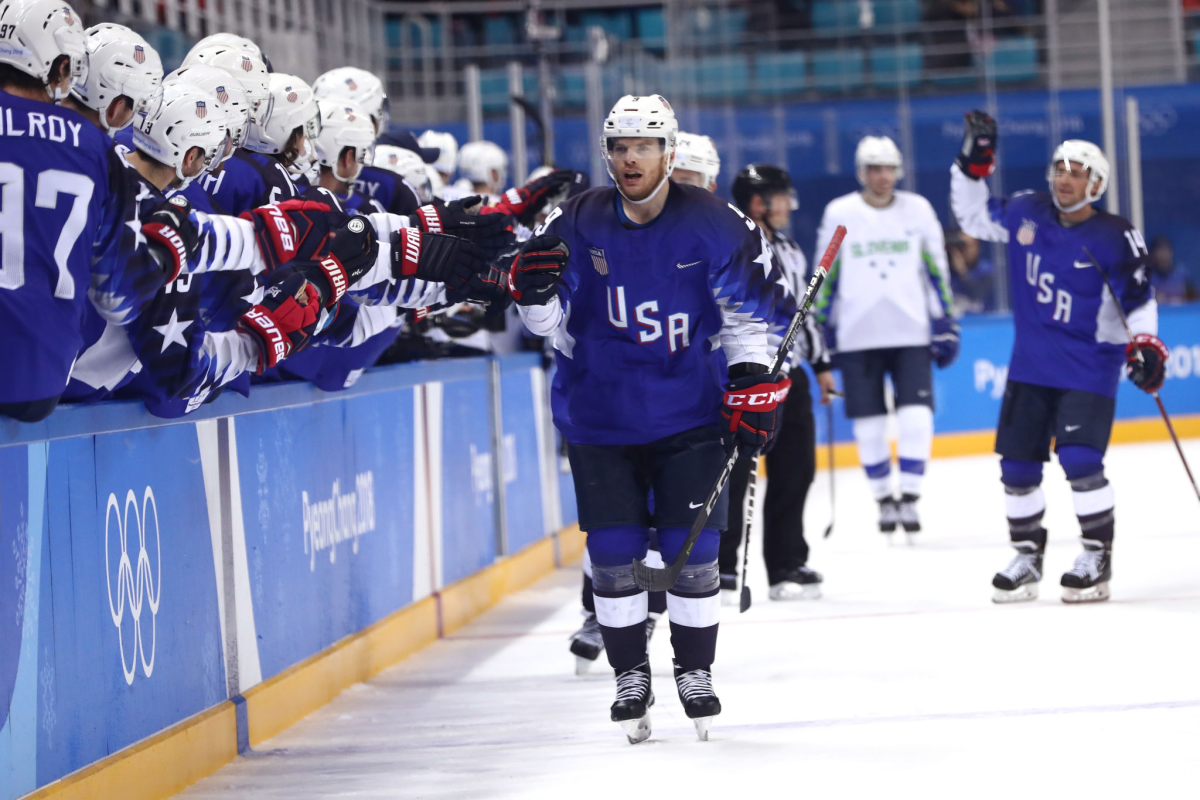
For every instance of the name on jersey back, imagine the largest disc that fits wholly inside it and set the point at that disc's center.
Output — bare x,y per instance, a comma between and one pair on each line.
39,125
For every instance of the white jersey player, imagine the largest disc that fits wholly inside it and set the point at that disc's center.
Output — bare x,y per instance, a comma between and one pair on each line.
886,310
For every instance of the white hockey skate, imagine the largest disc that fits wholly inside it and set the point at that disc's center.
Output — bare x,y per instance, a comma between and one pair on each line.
586,643
801,584
1087,581
1018,582
632,706
699,700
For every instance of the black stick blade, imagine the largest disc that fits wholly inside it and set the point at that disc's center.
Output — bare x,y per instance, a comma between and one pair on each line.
828,530
654,579
744,605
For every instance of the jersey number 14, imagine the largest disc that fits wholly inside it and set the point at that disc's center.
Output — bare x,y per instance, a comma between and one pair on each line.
50,183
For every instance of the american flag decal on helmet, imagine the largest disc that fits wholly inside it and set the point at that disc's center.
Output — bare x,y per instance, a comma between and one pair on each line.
201,109
222,95
67,16
292,96
393,159
598,260
139,54
247,64
350,114
351,85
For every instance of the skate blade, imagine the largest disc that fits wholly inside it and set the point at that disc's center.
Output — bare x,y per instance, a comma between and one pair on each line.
1019,595
1093,594
702,725
636,730
806,591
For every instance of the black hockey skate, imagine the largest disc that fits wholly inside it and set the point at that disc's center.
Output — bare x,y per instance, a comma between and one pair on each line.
908,516
700,703
586,643
1087,581
632,706
801,583
1018,582
889,514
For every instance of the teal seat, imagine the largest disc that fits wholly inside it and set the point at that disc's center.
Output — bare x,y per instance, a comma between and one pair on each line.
1015,59
834,15
838,70
572,87
896,12
651,27
499,30
618,24
780,73
723,77
889,61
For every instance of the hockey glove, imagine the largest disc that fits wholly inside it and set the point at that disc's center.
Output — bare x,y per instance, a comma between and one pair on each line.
750,409
526,202
449,260
1149,372
535,271
944,343
977,159
285,320
171,235
491,233
347,253
302,230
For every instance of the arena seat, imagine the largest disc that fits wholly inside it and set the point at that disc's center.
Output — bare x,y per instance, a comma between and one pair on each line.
838,70
887,61
784,72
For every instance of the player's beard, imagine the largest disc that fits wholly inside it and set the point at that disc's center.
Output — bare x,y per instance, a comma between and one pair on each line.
651,179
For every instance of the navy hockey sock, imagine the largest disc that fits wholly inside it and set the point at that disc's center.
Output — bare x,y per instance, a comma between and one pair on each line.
694,603
1024,502
621,607
1090,490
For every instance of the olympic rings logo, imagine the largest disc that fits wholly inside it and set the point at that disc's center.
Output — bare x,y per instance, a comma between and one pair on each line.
138,585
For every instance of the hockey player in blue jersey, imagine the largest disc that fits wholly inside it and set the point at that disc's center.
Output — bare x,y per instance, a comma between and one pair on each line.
72,231
1068,348
345,144
658,276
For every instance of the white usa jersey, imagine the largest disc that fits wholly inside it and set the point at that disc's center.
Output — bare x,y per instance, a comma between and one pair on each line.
890,276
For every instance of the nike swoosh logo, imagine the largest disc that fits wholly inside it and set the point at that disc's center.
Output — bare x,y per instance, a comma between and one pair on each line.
685,266
695,505
1072,428
923,393
1082,264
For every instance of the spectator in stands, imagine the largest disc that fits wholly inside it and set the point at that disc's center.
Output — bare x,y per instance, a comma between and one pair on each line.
972,278
952,41
1172,283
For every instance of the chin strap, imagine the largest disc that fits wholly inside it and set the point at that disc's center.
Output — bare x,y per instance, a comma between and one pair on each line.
349,180
648,197
1071,209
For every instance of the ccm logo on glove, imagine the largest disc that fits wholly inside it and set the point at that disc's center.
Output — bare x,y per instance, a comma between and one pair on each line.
763,397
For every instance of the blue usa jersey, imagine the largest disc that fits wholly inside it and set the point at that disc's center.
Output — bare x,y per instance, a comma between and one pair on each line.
1068,334
389,189
644,309
69,232
249,180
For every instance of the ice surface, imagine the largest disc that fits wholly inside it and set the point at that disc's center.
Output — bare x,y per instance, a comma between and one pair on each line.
905,680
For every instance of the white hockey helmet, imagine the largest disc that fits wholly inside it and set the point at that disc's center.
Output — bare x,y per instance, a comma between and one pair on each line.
877,151
641,117
355,87
233,40
186,117
408,165
292,106
447,147
1092,158
697,153
227,92
484,162
344,126
249,69
37,33
120,63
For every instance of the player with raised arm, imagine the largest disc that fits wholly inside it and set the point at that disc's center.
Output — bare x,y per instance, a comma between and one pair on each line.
765,194
1068,346
657,275
886,310
72,230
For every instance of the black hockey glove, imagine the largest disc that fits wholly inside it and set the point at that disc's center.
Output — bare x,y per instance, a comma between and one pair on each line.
1148,372
490,232
536,269
455,262
751,410
944,343
346,254
171,235
977,159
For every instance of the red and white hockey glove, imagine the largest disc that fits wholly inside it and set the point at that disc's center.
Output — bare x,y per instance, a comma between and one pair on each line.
490,232
536,269
171,235
285,320
977,159
1148,372
751,409
525,203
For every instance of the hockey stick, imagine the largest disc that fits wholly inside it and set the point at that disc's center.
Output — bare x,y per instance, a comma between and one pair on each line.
747,525
829,425
655,579
1142,360
534,115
